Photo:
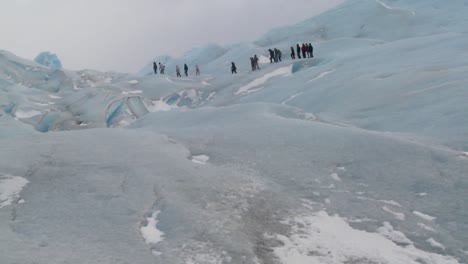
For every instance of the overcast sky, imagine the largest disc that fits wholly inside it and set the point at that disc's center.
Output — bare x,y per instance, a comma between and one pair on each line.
124,35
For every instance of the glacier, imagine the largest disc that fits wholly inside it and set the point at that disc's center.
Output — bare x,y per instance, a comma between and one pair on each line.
356,156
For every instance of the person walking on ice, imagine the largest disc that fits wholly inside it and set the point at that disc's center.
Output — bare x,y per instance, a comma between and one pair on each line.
272,55
311,50
293,54
252,63
298,51
161,68
186,70
197,70
256,66
233,68
155,68
177,69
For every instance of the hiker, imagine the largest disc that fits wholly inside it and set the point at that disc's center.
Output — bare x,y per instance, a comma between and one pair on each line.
279,55
272,55
275,57
293,54
252,63
197,70
233,68
161,68
311,50
155,68
304,51
186,70
298,51
177,69
256,66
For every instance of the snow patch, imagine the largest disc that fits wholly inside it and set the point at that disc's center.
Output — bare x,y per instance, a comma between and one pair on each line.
335,177
422,194
54,96
398,237
424,216
435,244
292,97
263,60
321,75
10,188
133,82
321,238
27,114
425,227
399,216
385,5
132,92
262,80
390,202
150,232
200,159
159,106
343,169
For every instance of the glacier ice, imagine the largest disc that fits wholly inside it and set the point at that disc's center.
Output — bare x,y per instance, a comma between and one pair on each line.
49,59
294,163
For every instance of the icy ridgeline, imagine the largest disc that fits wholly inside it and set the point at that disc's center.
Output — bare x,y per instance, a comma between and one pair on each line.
356,156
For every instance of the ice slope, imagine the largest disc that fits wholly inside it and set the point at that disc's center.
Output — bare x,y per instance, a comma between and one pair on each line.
375,19
356,156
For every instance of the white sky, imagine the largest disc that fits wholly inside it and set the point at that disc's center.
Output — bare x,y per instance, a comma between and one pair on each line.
124,35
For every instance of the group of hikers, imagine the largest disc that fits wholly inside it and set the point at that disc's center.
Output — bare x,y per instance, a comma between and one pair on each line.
162,68
306,50
254,63
275,55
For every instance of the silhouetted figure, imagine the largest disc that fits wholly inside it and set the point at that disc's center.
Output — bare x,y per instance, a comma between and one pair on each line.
293,54
256,66
177,69
280,54
304,51
197,70
186,70
252,63
272,55
311,50
155,68
298,48
233,68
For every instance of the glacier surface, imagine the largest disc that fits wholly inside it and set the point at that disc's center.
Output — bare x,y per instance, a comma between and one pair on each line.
355,156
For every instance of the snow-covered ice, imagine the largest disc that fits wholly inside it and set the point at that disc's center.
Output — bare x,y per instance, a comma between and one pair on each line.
150,232
435,244
262,80
397,215
424,216
322,238
10,188
27,113
335,177
200,159
132,92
